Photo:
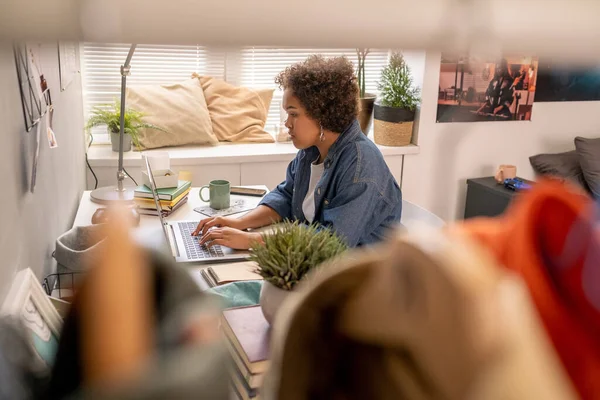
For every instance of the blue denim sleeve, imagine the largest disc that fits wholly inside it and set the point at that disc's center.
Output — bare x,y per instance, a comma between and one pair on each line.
352,212
280,199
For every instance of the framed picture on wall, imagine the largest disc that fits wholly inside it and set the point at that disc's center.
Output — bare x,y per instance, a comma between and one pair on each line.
27,301
478,89
68,64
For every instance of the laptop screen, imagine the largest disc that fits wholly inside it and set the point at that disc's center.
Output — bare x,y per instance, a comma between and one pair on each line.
155,197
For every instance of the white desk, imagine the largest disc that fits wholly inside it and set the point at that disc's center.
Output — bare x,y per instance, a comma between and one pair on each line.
149,233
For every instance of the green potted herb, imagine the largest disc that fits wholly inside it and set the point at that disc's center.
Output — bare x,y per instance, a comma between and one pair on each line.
287,255
110,115
367,100
394,113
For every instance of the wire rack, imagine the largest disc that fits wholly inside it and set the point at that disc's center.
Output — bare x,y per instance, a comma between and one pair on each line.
62,284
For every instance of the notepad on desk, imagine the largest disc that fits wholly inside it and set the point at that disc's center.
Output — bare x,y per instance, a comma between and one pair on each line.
238,205
216,275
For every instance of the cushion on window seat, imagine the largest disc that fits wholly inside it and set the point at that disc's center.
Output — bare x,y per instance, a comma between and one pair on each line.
179,108
238,113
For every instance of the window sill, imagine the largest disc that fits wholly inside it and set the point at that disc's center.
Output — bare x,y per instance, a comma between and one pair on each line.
101,155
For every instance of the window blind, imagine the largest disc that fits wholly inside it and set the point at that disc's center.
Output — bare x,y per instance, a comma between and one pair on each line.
149,65
259,66
164,64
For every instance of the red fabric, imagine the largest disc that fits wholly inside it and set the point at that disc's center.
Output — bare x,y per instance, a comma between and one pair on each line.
549,237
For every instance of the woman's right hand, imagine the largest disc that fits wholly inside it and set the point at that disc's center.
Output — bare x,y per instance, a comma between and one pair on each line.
212,222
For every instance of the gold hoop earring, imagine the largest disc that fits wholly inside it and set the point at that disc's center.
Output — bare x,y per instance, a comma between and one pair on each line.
322,135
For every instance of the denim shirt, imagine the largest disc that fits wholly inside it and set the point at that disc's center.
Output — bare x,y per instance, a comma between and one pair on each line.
357,195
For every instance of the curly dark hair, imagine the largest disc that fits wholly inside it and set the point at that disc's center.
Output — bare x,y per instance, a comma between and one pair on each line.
326,87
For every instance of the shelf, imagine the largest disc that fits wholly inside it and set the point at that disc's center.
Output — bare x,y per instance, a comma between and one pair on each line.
223,153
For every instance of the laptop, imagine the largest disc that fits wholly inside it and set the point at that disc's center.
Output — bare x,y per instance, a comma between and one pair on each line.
185,247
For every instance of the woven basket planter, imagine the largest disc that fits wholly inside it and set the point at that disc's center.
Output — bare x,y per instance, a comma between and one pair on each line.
393,126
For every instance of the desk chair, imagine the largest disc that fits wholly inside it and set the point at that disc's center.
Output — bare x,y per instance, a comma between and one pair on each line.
413,214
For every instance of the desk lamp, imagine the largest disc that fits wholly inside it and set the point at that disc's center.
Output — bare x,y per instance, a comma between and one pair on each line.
112,194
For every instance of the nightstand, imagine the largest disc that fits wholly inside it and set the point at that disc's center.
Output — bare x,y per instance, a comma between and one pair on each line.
486,198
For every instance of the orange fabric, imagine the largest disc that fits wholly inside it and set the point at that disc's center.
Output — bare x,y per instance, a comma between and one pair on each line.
549,237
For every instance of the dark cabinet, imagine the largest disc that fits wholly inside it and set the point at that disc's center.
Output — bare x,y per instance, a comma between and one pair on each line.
486,198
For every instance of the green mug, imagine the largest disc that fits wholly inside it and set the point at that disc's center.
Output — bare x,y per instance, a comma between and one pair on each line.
218,192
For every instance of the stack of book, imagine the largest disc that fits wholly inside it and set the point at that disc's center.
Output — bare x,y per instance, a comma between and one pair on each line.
170,198
248,335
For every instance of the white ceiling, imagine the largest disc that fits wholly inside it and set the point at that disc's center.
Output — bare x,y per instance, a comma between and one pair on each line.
562,28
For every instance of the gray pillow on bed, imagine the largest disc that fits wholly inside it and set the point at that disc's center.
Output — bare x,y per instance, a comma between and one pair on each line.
564,166
588,151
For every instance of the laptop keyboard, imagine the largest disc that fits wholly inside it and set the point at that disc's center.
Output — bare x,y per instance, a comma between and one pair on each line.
193,250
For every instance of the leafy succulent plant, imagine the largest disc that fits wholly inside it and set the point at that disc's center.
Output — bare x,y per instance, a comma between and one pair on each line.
292,251
110,115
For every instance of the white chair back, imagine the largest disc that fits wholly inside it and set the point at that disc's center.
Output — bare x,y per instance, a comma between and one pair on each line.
413,214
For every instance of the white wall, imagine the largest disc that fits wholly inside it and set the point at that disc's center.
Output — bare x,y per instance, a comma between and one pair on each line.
31,222
450,153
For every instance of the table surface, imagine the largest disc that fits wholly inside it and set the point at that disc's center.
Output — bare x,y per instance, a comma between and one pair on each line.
489,183
149,233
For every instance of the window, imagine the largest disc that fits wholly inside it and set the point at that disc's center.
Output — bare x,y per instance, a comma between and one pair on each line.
260,65
149,65
158,64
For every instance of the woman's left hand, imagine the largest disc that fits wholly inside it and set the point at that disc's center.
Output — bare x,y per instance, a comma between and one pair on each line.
230,237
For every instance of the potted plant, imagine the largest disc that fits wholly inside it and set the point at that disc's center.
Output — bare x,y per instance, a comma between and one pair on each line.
287,255
366,99
398,100
110,115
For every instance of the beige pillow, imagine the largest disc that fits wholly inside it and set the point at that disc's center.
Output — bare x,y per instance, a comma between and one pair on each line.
238,113
179,108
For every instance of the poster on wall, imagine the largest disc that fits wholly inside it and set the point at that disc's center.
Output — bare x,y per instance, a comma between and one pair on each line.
474,89
67,63
559,82
35,97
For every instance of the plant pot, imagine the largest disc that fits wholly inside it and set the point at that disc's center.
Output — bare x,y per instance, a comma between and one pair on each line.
365,115
271,298
114,140
393,126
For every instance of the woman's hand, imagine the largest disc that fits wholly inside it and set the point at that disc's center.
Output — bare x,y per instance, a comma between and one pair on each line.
230,237
212,222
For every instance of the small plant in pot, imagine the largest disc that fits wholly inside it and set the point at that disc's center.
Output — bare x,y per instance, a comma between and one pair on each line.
398,100
367,100
110,116
287,255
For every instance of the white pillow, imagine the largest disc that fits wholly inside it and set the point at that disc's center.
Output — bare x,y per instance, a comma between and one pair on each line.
179,108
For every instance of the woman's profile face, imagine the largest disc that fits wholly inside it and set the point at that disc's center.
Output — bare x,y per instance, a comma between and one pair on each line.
304,130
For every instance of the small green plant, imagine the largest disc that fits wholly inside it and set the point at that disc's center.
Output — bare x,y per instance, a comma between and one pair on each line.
110,116
360,72
292,251
395,87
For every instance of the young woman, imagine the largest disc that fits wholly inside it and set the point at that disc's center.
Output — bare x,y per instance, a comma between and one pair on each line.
338,179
